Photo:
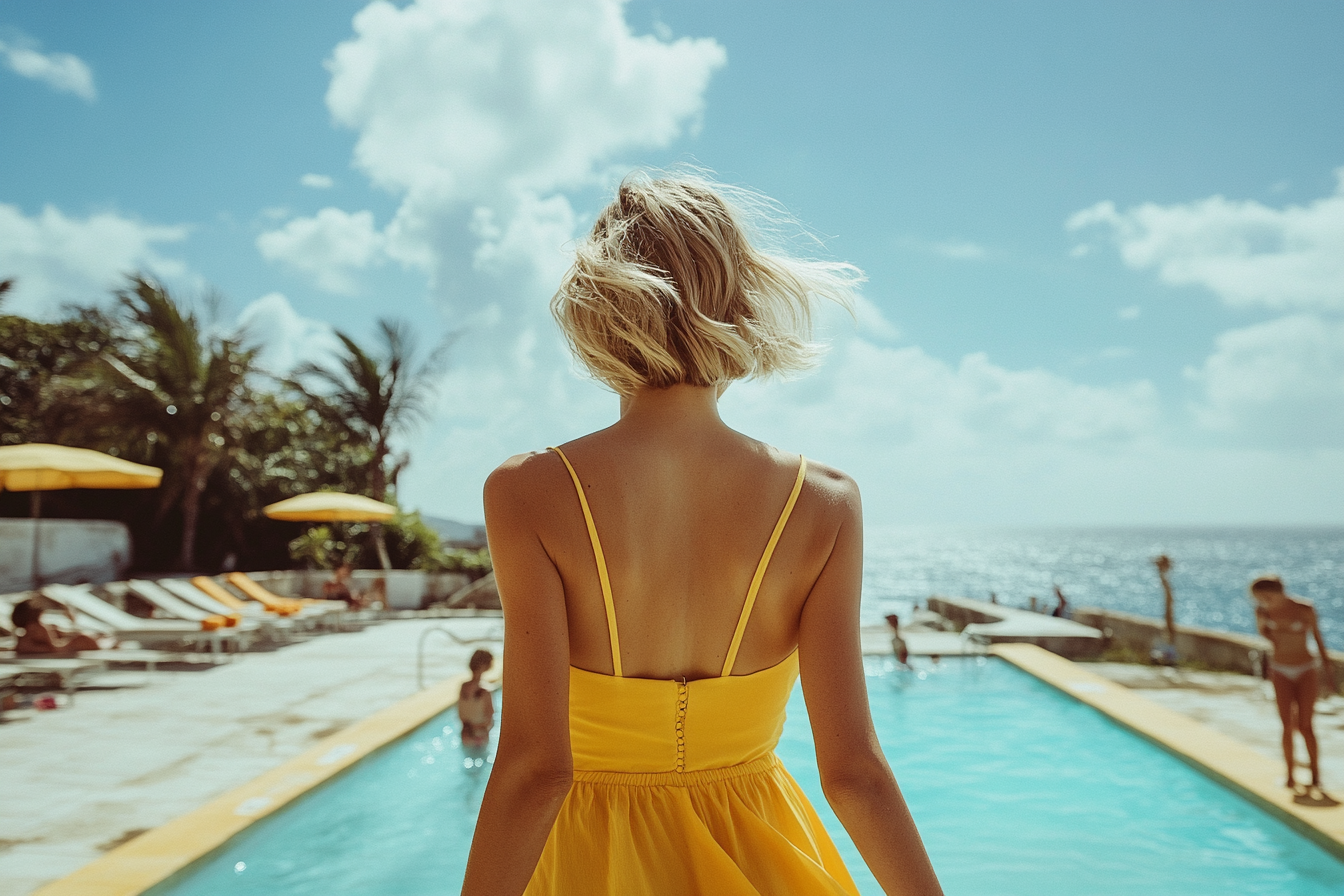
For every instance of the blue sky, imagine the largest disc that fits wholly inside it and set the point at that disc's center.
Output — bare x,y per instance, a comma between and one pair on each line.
1105,242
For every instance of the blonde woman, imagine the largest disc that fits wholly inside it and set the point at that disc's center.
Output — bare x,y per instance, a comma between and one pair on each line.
666,580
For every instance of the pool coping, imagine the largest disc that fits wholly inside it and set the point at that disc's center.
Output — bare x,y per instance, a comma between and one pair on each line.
1231,763
158,854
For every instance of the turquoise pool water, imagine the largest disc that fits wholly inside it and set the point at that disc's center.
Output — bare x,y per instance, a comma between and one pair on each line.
1018,791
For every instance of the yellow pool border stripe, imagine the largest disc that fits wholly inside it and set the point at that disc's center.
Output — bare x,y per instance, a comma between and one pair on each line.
1226,760
156,855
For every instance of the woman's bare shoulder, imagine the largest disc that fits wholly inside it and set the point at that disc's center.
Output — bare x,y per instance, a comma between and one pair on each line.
833,487
1302,605
522,472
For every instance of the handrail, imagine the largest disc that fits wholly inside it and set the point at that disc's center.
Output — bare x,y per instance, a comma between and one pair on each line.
420,654
424,636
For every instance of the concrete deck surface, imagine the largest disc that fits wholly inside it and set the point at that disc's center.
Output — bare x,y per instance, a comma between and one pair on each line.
154,746
1239,706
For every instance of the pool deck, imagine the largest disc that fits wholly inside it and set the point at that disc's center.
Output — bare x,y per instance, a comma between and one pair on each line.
109,772
1234,763
153,747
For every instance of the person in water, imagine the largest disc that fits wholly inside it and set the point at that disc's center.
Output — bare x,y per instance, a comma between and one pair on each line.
1286,621
667,579
475,707
37,639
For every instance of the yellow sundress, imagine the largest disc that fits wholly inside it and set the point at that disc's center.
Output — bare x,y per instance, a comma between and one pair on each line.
677,789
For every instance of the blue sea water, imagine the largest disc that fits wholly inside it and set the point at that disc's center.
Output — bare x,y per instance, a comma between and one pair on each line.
1109,568
1018,790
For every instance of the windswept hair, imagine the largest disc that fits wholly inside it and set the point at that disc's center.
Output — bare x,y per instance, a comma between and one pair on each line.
680,282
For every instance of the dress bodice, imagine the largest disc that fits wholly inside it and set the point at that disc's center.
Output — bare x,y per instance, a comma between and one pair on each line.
653,725
646,725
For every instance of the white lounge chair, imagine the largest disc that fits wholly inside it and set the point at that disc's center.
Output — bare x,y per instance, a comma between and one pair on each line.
67,671
174,606
251,610
133,628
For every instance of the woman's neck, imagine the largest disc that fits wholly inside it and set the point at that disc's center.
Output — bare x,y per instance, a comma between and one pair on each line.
677,408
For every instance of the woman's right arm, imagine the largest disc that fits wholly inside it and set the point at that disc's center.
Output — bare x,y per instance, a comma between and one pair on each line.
533,767
855,777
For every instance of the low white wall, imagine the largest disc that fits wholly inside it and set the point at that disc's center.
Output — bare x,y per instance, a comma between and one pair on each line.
71,551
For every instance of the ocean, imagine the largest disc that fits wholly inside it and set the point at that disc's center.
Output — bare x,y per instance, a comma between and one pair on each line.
1110,568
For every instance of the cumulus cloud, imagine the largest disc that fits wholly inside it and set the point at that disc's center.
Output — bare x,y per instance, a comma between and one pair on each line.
1279,383
317,181
330,247
897,396
1247,253
285,337
62,72
56,259
481,116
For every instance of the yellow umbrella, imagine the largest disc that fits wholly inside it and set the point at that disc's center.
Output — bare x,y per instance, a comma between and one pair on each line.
40,468
327,507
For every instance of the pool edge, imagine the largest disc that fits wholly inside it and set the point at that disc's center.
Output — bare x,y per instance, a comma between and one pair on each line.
156,855
1228,761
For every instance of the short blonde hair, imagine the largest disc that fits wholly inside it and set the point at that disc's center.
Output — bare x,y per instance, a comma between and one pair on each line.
669,289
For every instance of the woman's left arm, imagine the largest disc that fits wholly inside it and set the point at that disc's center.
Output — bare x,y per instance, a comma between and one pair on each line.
1327,671
533,767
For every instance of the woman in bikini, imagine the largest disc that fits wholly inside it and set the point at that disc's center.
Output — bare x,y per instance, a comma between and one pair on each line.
1285,621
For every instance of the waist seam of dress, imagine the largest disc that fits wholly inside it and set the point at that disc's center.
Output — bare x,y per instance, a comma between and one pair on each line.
760,765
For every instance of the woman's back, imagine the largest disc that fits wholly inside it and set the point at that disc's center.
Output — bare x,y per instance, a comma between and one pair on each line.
667,580
683,522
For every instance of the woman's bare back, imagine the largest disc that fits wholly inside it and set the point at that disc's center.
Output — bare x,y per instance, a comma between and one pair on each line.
683,524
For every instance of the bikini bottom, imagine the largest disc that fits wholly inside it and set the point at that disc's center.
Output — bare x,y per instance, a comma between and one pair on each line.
1293,671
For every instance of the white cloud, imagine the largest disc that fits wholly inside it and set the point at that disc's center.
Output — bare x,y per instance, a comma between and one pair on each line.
285,337
1129,312
59,71
317,181
953,250
330,246
960,251
883,397
1279,383
1247,253
57,259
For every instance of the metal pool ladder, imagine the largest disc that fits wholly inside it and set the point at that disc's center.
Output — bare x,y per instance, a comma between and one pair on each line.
488,637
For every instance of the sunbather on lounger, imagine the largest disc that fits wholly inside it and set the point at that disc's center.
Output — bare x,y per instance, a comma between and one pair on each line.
36,639
338,587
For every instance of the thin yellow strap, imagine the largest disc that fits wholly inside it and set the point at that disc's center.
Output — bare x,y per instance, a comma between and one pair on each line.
761,567
601,565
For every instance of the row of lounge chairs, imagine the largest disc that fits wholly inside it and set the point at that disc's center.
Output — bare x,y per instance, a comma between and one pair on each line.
192,621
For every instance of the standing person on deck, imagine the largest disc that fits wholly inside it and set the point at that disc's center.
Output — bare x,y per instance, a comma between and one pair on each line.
664,583
1285,621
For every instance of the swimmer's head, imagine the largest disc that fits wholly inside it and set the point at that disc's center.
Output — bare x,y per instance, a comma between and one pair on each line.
480,661
675,286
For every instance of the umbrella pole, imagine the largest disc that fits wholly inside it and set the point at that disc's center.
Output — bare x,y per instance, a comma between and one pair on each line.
35,511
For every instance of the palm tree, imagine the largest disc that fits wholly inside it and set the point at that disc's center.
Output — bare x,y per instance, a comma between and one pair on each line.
377,395
178,385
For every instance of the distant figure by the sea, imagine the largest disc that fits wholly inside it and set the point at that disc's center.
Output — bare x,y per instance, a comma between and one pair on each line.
1286,621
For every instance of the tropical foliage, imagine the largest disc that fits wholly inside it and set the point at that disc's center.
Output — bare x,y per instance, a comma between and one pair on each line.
373,396
151,380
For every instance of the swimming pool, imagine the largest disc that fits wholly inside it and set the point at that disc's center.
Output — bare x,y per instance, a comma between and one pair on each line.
1017,789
